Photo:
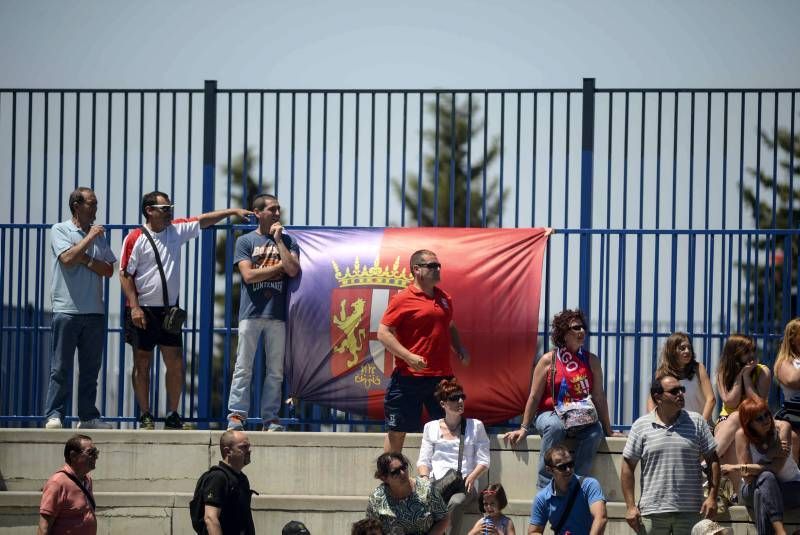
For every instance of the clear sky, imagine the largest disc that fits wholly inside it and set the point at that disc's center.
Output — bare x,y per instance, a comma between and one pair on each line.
412,44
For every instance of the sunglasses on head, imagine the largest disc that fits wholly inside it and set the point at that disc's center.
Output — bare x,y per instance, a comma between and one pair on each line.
458,396
396,471
431,265
166,208
677,390
564,466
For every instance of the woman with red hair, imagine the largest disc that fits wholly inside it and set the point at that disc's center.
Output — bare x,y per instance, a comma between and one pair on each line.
771,478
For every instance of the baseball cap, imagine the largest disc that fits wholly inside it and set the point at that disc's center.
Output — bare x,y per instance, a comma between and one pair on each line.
295,528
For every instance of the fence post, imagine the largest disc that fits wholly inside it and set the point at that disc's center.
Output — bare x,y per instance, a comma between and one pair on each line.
587,197
207,261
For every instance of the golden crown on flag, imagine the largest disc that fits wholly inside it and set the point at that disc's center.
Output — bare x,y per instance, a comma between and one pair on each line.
374,275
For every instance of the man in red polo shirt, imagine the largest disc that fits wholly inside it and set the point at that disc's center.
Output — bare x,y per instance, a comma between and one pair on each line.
418,329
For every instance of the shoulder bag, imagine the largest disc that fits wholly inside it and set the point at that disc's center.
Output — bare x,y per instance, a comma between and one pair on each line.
452,482
86,492
175,316
575,414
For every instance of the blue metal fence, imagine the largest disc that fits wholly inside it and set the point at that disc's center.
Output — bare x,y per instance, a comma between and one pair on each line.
648,190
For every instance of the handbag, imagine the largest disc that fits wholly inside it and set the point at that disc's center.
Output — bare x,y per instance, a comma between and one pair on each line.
452,482
175,316
576,414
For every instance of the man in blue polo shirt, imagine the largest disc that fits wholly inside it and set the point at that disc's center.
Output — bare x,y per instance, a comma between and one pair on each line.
588,511
81,259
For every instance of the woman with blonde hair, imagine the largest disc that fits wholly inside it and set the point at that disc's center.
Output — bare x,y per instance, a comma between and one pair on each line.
739,376
787,363
679,361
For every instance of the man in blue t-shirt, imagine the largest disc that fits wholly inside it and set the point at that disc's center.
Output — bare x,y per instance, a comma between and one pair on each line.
588,511
81,261
266,258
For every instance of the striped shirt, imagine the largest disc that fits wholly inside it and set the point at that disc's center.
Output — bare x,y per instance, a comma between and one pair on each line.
672,479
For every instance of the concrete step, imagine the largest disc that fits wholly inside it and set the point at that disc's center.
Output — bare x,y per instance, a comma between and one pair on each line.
166,513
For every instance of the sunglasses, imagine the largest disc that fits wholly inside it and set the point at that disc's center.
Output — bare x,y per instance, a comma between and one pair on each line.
563,467
91,452
763,417
677,390
431,265
457,397
396,471
166,208
577,328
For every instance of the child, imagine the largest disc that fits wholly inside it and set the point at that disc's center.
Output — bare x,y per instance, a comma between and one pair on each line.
493,521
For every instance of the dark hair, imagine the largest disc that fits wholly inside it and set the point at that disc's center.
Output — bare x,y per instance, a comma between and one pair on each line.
261,205
366,526
656,388
416,257
558,448
149,199
749,409
730,362
446,387
385,459
76,197
497,490
74,444
669,358
560,325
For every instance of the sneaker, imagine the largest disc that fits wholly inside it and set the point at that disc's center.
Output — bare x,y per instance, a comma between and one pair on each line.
94,423
273,427
236,422
146,421
53,423
173,421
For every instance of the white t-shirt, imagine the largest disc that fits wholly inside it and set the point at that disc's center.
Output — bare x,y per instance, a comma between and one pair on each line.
139,260
440,455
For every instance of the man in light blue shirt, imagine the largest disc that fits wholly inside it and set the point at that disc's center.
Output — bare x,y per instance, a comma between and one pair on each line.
81,258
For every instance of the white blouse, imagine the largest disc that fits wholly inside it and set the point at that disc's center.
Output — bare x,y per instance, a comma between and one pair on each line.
439,454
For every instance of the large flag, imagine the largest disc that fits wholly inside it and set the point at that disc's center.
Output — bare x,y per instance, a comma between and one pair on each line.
348,276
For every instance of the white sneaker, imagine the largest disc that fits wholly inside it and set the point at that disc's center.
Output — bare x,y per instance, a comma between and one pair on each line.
53,423
94,423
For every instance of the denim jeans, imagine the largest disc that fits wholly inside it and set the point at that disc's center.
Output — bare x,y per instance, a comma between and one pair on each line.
549,426
86,333
250,331
769,498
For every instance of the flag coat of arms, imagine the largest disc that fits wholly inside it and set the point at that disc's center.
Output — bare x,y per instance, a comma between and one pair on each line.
335,306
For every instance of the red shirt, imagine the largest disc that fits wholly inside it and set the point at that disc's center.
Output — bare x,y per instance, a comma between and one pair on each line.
422,325
576,370
63,500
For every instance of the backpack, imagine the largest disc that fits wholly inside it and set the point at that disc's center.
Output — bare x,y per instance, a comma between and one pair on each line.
197,507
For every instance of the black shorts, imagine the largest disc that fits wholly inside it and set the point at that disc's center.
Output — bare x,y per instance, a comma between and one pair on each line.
402,405
154,334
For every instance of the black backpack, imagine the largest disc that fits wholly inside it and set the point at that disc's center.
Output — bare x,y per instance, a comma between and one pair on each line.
197,507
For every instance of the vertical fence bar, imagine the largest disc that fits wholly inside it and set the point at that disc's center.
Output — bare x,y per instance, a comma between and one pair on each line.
207,262
587,193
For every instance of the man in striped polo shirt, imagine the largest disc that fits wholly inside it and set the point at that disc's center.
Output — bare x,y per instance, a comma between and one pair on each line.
670,443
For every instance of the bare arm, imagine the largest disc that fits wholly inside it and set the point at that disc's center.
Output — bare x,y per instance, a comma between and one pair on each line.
458,347
212,218
599,395
129,289
535,394
211,517
709,507
732,397
761,388
627,479
533,529
708,392
787,374
76,255
388,337
599,517
440,527
289,260
45,522
251,274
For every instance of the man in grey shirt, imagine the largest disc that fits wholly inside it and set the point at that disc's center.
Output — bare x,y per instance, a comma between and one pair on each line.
81,259
670,442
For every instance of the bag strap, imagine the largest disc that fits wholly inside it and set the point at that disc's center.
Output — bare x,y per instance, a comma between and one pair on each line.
568,508
160,267
461,442
80,486
553,376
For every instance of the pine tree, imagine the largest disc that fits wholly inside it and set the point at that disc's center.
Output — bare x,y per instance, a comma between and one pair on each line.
465,172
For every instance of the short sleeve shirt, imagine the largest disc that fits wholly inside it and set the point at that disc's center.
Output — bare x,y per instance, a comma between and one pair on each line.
549,507
263,299
77,289
139,260
422,325
671,475
416,513
63,500
236,515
